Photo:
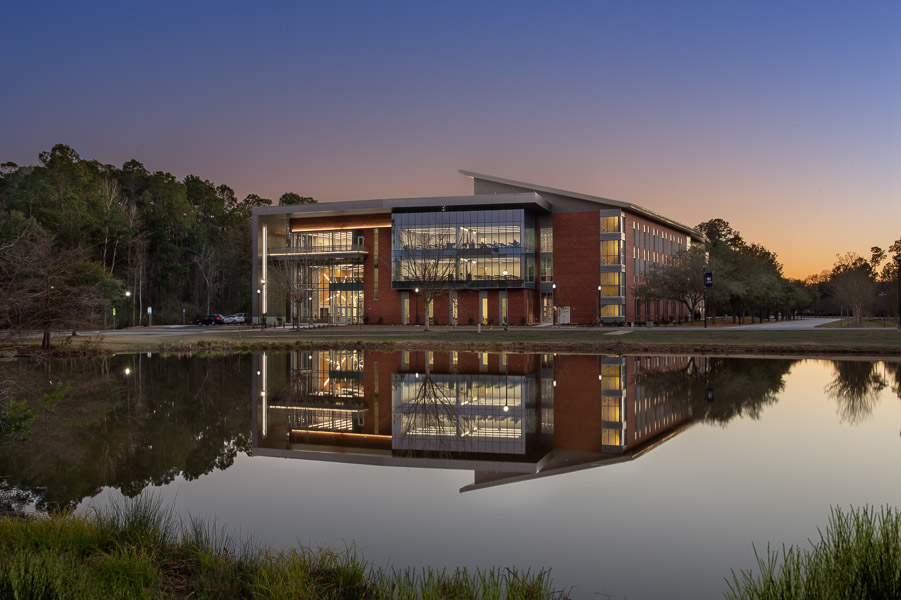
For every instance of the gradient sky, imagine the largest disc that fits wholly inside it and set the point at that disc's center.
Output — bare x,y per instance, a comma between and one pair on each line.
784,118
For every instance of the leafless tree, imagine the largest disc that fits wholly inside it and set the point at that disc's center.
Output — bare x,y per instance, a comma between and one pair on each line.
429,262
45,289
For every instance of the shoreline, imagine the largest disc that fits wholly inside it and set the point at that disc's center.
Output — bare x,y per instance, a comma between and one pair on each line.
808,343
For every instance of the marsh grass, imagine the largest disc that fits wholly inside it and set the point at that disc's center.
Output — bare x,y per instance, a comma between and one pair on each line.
140,549
858,556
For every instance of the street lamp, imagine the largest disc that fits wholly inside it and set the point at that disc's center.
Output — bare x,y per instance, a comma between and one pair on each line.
506,302
704,274
417,305
898,274
554,302
599,305
128,295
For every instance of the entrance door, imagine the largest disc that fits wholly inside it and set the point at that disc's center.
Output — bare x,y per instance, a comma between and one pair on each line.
547,308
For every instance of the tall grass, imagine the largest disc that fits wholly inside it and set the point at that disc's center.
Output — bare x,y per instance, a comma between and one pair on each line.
140,549
858,556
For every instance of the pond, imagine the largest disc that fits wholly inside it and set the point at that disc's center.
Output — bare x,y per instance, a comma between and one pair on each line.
634,476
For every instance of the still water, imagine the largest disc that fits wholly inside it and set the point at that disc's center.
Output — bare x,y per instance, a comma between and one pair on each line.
633,476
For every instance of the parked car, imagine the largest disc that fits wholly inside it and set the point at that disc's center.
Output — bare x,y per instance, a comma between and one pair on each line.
213,320
242,317
230,320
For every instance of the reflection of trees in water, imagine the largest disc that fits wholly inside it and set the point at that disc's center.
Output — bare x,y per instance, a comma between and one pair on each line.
168,417
430,418
894,369
741,386
855,387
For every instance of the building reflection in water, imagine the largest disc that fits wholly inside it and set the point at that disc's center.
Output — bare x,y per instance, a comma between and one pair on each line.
506,417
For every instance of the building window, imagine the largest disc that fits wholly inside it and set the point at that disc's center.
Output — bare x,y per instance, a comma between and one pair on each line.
610,225
547,237
610,252
547,268
454,305
611,379
610,284
610,410
375,248
483,308
611,310
463,246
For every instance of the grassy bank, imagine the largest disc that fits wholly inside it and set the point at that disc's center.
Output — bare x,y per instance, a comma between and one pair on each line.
803,342
138,549
858,556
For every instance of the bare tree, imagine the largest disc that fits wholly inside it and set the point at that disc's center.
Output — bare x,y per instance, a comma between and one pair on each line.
207,262
429,262
45,289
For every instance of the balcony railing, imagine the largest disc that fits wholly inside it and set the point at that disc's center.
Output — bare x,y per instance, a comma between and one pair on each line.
320,251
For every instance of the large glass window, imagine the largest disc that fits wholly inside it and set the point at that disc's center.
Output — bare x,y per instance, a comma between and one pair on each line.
610,284
610,252
609,224
462,247
321,287
611,310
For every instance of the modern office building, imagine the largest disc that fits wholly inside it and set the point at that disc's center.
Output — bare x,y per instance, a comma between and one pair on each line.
513,252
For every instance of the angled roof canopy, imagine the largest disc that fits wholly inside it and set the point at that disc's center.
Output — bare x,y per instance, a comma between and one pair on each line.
543,189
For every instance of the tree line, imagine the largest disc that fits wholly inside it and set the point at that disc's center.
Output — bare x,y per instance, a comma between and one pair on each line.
749,282
79,238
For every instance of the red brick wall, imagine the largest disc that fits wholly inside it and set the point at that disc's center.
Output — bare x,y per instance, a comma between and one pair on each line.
650,310
577,401
577,263
388,306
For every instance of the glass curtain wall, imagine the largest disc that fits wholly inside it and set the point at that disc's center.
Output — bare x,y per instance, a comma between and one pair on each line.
473,248
323,288
463,413
323,391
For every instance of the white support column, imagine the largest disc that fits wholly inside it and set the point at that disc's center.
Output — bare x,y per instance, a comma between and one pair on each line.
265,402
263,273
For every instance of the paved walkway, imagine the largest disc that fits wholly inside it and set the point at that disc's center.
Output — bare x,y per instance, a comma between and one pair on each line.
806,323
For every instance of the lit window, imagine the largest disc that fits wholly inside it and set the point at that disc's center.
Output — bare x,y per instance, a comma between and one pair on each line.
609,224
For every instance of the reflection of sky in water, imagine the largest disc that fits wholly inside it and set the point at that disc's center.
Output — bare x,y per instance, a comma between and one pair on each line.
671,523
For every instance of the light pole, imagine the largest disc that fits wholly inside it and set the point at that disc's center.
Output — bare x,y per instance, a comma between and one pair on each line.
883,295
898,274
417,306
705,297
128,295
599,305
506,303
262,292
554,302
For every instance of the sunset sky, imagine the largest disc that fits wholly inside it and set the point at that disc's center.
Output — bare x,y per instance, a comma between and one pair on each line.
784,118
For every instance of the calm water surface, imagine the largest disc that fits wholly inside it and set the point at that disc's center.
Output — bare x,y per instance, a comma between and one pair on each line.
634,476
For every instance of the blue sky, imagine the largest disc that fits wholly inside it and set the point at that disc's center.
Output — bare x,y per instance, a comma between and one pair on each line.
782,118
